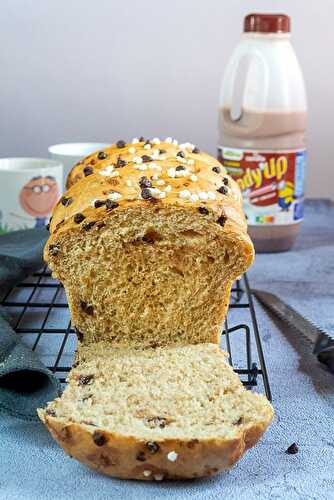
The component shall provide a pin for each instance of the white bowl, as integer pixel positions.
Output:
(71, 152)
(29, 189)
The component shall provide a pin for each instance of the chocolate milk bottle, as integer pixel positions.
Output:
(262, 122)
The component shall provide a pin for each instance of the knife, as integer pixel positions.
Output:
(322, 343)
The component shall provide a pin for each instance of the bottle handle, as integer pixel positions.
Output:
(246, 69)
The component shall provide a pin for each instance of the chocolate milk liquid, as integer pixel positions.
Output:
(262, 122)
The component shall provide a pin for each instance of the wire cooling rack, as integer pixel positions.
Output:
(40, 314)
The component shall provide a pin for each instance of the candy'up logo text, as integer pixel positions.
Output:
(274, 168)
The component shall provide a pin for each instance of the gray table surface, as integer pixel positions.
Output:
(32, 466)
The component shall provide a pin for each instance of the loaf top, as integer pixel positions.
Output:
(139, 151)
(148, 174)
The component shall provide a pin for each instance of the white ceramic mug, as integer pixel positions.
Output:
(71, 152)
(29, 189)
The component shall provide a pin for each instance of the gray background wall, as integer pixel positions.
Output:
(85, 70)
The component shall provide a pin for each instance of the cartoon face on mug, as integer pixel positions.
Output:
(38, 197)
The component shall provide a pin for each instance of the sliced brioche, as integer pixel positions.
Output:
(147, 251)
(173, 412)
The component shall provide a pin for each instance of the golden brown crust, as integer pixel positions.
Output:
(95, 162)
(129, 458)
(201, 185)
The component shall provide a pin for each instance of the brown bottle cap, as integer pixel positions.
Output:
(267, 23)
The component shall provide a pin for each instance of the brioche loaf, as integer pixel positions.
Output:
(147, 242)
(166, 413)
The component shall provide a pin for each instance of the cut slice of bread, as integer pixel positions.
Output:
(151, 414)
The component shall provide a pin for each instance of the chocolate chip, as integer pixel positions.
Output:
(64, 434)
(192, 443)
(152, 447)
(144, 182)
(120, 163)
(105, 461)
(47, 227)
(146, 194)
(146, 158)
(102, 155)
(203, 210)
(225, 181)
(222, 190)
(54, 250)
(79, 335)
(78, 218)
(86, 398)
(181, 154)
(153, 200)
(99, 438)
(221, 220)
(239, 421)
(147, 142)
(141, 139)
(51, 412)
(179, 168)
(162, 151)
(156, 422)
(216, 169)
(293, 449)
(121, 144)
(88, 171)
(99, 203)
(110, 204)
(85, 379)
(196, 150)
(66, 201)
(141, 456)
(89, 225)
(88, 309)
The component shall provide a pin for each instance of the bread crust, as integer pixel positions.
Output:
(128, 458)
(76, 209)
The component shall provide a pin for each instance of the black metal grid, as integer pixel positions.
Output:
(250, 365)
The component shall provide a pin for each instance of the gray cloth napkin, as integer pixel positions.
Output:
(25, 383)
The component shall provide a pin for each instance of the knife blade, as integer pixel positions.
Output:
(322, 342)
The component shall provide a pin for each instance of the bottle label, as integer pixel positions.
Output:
(271, 183)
